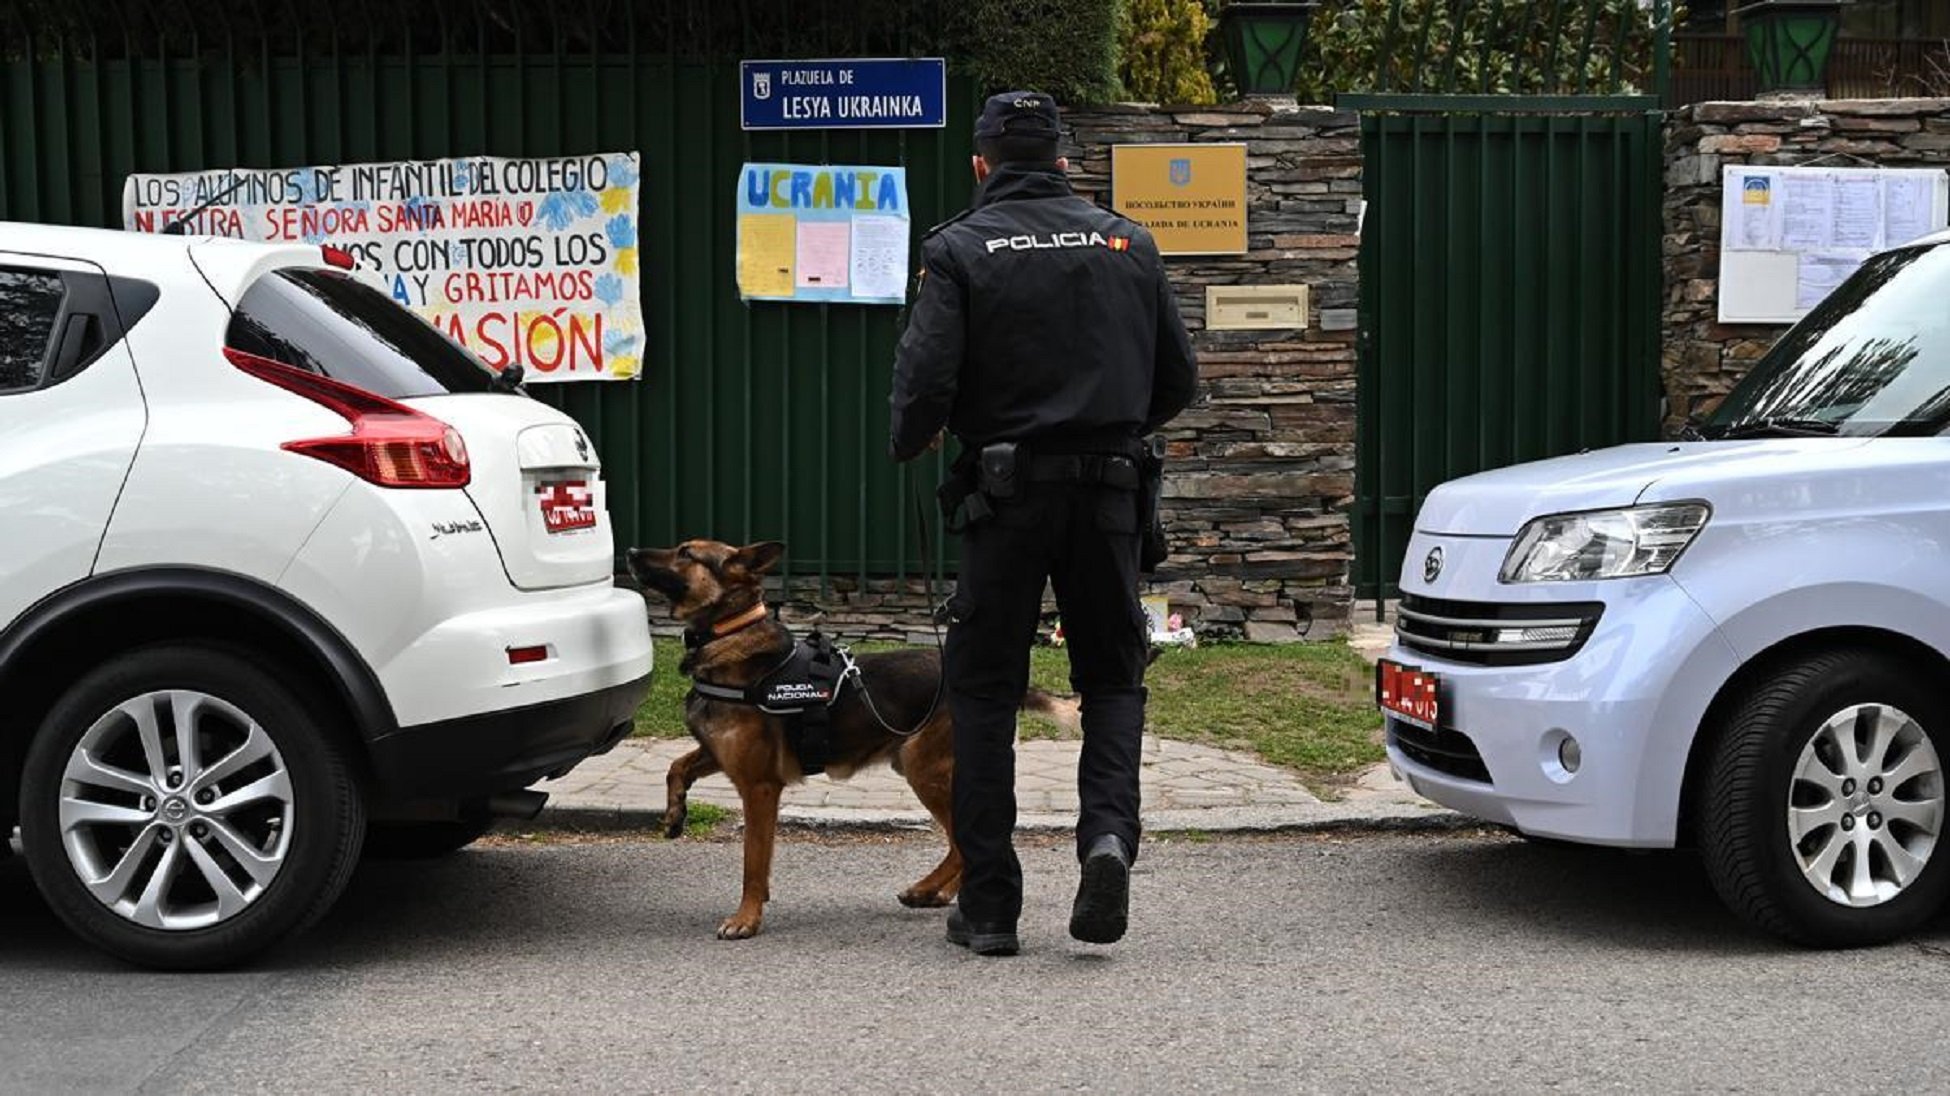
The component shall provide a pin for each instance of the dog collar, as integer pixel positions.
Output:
(743, 620)
(693, 638)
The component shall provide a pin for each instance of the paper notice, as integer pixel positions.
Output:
(1907, 208)
(1820, 272)
(766, 242)
(1751, 211)
(1858, 212)
(879, 258)
(1807, 212)
(823, 254)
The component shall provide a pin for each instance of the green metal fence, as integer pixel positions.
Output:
(1509, 303)
(759, 422)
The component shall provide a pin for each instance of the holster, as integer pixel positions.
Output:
(960, 496)
(1152, 549)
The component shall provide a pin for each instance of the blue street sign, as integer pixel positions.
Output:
(857, 93)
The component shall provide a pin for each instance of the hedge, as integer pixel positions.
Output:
(1067, 48)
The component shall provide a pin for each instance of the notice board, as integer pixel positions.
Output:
(1790, 235)
(1191, 197)
(829, 233)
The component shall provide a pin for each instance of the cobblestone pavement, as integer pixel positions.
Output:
(1185, 786)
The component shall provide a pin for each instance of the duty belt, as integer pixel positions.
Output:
(1106, 469)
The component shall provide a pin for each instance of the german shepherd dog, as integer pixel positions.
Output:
(717, 591)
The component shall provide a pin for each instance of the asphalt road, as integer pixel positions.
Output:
(1451, 964)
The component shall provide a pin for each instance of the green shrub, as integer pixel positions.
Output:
(1163, 48)
(1067, 48)
(1349, 46)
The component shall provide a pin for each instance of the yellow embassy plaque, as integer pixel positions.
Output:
(1191, 197)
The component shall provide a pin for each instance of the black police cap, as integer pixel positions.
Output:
(1028, 114)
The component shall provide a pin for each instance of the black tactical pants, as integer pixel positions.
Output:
(1084, 540)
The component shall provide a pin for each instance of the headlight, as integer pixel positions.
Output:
(1642, 540)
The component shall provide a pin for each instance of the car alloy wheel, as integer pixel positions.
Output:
(1821, 802)
(176, 810)
(184, 806)
(1865, 805)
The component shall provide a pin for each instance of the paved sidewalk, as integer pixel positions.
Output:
(1185, 787)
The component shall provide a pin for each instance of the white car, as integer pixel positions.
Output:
(279, 563)
(1740, 642)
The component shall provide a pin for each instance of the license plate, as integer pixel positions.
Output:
(1408, 694)
(567, 505)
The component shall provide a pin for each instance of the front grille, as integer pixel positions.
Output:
(1445, 751)
(1490, 634)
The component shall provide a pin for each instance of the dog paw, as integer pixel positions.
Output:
(924, 899)
(674, 823)
(738, 927)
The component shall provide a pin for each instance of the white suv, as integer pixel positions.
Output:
(1740, 641)
(282, 570)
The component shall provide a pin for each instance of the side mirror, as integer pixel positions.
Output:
(510, 378)
(1690, 429)
(1698, 400)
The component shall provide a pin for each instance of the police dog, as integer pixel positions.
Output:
(717, 591)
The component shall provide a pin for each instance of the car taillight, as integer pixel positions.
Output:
(337, 256)
(391, 444)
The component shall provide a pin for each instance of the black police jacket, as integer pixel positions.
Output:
(1039, 316)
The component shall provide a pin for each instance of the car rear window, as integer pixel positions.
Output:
(30, 301)
(329, 323)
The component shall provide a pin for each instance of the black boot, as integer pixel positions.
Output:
(1103, 906)
(979, 937)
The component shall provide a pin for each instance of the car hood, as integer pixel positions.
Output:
(1498, 503)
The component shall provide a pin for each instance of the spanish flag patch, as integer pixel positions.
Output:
(1119, 243)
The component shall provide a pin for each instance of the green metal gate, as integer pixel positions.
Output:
(754, 422)
(1510, 287)
(1510, 252)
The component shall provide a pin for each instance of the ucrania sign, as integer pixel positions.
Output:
(530, 262)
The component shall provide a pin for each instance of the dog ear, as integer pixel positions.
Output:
(759, 558)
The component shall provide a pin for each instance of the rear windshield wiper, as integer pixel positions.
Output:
(1781, 428)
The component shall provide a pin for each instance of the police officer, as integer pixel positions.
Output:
(1045, 336)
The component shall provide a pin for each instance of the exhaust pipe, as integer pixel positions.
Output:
(521, 806)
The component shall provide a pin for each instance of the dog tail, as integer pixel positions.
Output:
(1063, 710)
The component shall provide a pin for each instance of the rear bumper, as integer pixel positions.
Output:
(595, 638)
(504, 751)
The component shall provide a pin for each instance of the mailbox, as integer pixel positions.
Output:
(1248, 307)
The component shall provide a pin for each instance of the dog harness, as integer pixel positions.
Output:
(803, 689)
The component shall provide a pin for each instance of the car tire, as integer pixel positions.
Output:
(1822, 815)
(423, 840)
(264, 822)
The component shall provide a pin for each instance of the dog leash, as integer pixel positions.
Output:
(929, 572)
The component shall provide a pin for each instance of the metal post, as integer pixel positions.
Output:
(1662, 50)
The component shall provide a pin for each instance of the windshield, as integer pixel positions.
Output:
(1872, 359)
(331, 324)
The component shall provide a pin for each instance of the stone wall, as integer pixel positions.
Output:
(1261, 471)
(1703, 357)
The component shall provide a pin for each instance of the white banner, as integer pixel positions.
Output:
(530, 262)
